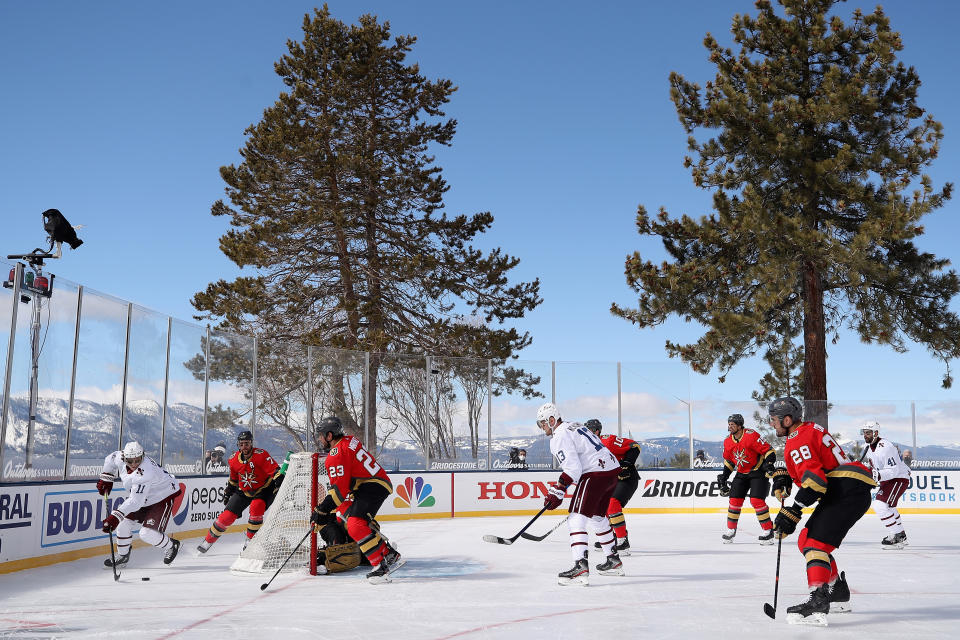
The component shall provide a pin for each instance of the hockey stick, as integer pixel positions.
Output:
(113, 558)
(499, 540)
(530, 536)
(767, 609)
(266, 584)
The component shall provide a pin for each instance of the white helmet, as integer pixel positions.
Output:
(546, 411)
(133, 452)
(873, 427)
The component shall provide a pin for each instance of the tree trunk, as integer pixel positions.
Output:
(815, 347)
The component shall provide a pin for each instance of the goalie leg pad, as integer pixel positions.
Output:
(342, 557)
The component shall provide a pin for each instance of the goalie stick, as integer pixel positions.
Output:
(499, 540)
(266, 584)
(530, 536)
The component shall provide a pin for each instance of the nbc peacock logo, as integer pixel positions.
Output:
(414, 493)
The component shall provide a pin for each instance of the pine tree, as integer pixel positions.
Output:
(816, 167)
(336, 210)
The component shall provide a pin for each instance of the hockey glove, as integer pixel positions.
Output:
(787, 519)
(277, 481)
(625, 468)
(105, 484)
(724, 485)
(228, 491)
(554, 498)
(320, 519)
(112, 521)
(782, 484)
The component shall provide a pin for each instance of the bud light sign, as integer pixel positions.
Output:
(74, 516)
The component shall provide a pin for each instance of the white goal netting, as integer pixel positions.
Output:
(286, 523)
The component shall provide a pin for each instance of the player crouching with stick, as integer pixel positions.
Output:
(352, 470)
(590, 465)
(151, 491)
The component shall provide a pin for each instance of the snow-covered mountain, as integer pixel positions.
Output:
(96, 432)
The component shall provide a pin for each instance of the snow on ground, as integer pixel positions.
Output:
(681, 582)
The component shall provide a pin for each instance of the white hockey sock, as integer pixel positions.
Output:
(578, 535)
(604, 532)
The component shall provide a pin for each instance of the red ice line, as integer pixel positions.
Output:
(220, 613)
(503, 624)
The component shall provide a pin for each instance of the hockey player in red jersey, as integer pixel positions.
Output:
(353, 471)
(817, 464)
(751, 460)
(254, 480)
(626, 452)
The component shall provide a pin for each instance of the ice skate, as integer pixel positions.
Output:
(612, 567)
(766, 538)
(121, 560)
(895, 541)
(813, 611)
(203, 547)
(579, 574)
(839, 595)
(392, 561)
(172, 551)
(728, 536)
(623, 546)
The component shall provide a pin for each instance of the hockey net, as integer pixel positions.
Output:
(287, 522)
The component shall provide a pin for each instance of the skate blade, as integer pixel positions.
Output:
(611, 572)
(623, 552)
(767, 542)
(380, 579)
(728, 541)
(899, 545)
(581, 581)
(396, 565)
(840, 607)
(812, 620)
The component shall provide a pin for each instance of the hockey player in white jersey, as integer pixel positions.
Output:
(589, 465)
(894, 477)
(150, 494)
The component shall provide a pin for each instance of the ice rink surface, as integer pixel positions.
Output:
(681, 582)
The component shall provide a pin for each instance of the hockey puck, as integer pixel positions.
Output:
(144, 578)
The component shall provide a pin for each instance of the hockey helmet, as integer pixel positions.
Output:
(132, 453)
(872, 428)
(736, 419)
(594, 425)
(786, 406)
(245, 436)
(546, 411)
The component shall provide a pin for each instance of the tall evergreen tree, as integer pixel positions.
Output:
(816, 167)
(337, 209)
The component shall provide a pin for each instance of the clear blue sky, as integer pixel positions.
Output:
(120, 114)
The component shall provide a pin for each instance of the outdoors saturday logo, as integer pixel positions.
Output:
(414, 493)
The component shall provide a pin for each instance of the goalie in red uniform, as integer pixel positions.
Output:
(353, 471)
(626, 451)
(751, 460)
(254, 480)
(817, 464)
